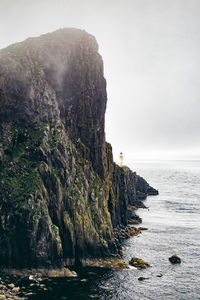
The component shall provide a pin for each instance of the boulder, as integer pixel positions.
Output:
(174, 259)
(138, 263)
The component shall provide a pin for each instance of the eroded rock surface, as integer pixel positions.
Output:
(61, 194)
(138, 263)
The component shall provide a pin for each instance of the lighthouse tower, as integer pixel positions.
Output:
(121, 159)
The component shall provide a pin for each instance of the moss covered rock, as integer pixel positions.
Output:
(138, 263)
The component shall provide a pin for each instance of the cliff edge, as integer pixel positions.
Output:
(61, 194)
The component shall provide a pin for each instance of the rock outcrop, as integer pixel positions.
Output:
(138, 263)
(175, 259)
(61, 194)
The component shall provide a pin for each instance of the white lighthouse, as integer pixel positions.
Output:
(121, 157)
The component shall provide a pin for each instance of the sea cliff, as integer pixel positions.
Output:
(61, 194)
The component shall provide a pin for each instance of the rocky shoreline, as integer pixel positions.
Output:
(9, 291)
(11, 280)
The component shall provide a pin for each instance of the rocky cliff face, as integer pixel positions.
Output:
(60, 192)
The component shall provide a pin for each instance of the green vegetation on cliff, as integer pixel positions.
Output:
(61, 194)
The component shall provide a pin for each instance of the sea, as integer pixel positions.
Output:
(173, 222)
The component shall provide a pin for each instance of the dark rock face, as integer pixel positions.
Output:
(127, 188)
(58, 75)
(175, 259)
(60, 192)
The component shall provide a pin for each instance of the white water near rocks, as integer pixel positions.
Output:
(173, 222)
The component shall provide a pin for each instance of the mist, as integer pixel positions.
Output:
(150, 50)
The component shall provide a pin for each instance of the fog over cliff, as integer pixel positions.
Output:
(151, 59)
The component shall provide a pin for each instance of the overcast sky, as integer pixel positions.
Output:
(151, 53)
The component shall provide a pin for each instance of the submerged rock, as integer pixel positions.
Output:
(174, 259)
(138, 263)
(142, 278)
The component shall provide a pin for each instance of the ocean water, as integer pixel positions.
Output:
(173, 222)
